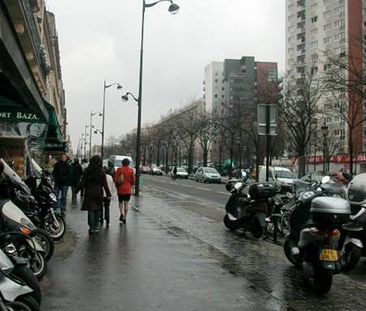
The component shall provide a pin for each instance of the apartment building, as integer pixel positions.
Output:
(315, 31)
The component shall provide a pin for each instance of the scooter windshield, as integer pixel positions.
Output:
(36, 170)
(14, 178)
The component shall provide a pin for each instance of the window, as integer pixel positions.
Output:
(314, 19)
(215, 95)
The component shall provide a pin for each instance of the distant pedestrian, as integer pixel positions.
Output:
(62, 176)
(104, 212)
(124, 179)
(77, 171)
(94, 181)
(175, 170)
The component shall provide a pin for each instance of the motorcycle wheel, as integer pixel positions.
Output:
(46, 241)
(17, 306)
(229, 223)
(322, 281)
(56, 229)
(37, 263)
(350, 257)
(257, 233)
(287, 246)
(30, 302)
(26, 275)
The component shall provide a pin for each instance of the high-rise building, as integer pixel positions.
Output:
(315, 31)
(214, 85)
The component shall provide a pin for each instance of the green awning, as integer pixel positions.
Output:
(54, 134)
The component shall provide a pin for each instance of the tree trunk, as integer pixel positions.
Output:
(205, 156)
(350, 146)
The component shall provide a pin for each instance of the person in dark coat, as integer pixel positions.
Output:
(62, 176)
(77, 171)
(94, 181)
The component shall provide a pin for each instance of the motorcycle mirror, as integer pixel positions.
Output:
(325, 179)
(238, 185)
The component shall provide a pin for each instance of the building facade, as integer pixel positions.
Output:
(32, 102)
(317, 30)
(233, 89)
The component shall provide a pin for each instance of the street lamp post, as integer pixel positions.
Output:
(324, 130)
(173, 8)
(91, 131)
(85, 139)
(105, 86)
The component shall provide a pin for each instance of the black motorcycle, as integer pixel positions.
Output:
(248, 211)
(313, 241)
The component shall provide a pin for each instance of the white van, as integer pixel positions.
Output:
(281, 176)
(116, 160)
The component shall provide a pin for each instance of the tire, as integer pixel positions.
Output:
(350, 257)
(322, 281)
(17, 306)
(287, 246)
(37, 263)
(229, 223)
(46, 241)
(25, 274)
(30, 302)
(258, 232)
(55, 230)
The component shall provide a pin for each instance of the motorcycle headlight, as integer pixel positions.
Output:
(10, 249)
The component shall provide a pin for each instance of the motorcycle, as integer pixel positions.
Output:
(18, 226)
(41, 187)
(313, 241)
(248, 211)
(353, 237)
(15, 293)
(15, 189)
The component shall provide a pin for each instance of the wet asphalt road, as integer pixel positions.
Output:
(175, 254)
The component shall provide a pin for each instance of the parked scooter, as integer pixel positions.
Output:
(16, 224)
(15, 292)
(248, 211)
(15, 189)
(41, 187)
(353, 239)
(313, 242)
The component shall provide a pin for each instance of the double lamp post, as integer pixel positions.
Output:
(173, 8)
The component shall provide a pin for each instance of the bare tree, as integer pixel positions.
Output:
(346, 81)
(297, 110)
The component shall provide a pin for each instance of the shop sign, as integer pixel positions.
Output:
(19, 116)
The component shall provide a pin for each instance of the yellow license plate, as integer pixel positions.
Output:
(328, 255)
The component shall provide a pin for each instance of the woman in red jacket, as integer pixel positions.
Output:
(124, 179)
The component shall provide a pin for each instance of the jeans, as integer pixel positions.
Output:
(61, 193)
(93, 219)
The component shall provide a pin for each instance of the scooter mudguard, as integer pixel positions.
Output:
(306, 238)
(35, 245)
(10, 289)
(353, 241)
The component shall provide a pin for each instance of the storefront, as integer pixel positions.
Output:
(24, 132)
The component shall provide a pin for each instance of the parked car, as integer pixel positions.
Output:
(181, 173)
(155, 171)
(283, 177)
(207, 174)
(144, 169)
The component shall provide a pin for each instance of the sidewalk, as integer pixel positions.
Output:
(143, 265)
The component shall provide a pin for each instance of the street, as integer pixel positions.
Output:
(175, 254)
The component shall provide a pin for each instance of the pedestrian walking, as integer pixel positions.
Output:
(93, 182)
(124, 179)
(107, 201)
(62, 176)
(77, 171)
(175, 172)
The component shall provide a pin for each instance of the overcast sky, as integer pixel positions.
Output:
(101, 40)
